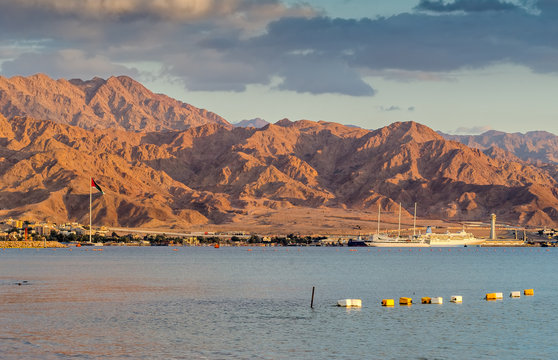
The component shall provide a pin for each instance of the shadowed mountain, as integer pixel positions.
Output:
(255, 123)
(218, 174)
(534, 146)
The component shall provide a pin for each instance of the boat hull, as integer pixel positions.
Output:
(388, 241)
(455, 243)
(396, 244)
(451, 239)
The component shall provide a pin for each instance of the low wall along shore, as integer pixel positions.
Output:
(30, 244)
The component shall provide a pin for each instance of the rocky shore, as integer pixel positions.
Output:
(30, 244)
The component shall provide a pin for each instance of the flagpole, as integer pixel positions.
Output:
(90, 182)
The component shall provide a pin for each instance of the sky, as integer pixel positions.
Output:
(458, 66)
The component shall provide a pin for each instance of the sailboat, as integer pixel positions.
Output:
(378, 240)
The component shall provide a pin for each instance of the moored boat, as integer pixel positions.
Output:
(379, 240)
(448, 239)
(387, 241)
(358, 242)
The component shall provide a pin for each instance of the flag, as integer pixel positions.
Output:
(94, 184)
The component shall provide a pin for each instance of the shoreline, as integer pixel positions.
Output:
(16, 244)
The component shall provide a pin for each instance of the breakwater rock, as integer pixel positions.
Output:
(30, 244)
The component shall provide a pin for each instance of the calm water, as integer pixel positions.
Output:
(205, 303)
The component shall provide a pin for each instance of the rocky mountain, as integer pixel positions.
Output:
(255, 123)
(217, 174)
(535, 146)
(118, 102)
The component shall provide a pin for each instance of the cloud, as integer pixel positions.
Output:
(408, 75)
(218, 45)
(317, 76)
(69, 63)
(396, 108)
(465, 5)
(475, 130)
(391, 108)
(179, 10)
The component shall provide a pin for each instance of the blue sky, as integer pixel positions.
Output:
(460, 66)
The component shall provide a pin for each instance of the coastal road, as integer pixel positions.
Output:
(169, 233)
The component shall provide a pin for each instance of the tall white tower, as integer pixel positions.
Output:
(493, 227)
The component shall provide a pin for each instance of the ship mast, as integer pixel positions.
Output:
(379, 209)
(415, 221)
(399, 225)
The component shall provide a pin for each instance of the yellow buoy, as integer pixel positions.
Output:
(528, 292)
(426, 300)
(405, 301)
(494, 296)
(388, 302)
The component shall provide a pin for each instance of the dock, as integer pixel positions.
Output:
(506, 243)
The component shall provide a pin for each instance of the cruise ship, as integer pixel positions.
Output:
(461, 238)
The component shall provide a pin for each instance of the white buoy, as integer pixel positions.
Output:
(456, 299)
(437, 300)
(515, 294)
(350, 303)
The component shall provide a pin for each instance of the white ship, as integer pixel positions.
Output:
(380, 240)
(461, 238)
(387, 241)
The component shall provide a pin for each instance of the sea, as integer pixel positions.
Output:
(254, 303)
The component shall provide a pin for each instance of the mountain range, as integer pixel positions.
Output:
(539, 147)
(255, 123)
(167, 164)
(116, 103)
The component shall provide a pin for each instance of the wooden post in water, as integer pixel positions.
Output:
(312, 301)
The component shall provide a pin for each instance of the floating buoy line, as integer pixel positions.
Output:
(407, 301)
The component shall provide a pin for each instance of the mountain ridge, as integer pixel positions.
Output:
(533, 146)
(170, 178)
(164, 163)
(117, 102)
